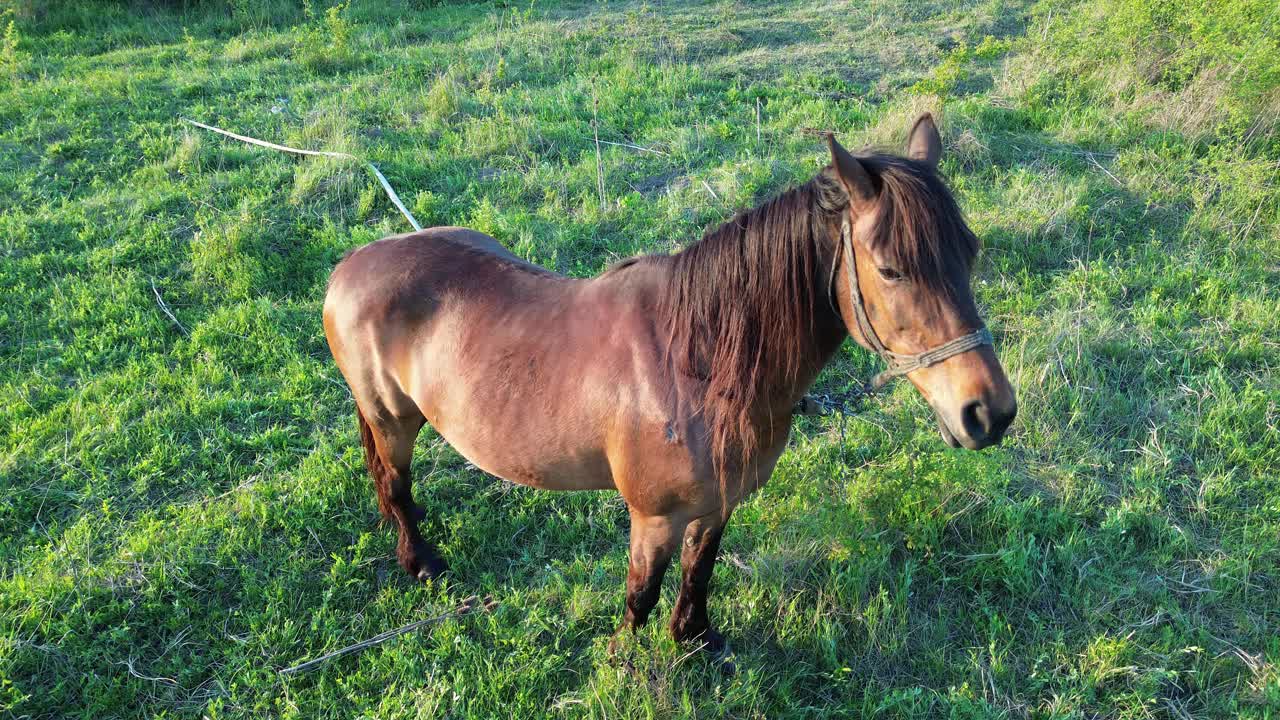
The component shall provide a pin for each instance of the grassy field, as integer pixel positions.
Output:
(183, 507)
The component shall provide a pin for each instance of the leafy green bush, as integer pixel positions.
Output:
(955, 70)
(1204, 66)
(325, 43)
(9, 57)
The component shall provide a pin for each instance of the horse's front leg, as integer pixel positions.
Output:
(653, 542)
(689, 621)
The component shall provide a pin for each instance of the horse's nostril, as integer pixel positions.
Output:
(976, 418)
(1002, 421)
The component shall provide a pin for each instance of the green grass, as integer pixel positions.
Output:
(183, 510)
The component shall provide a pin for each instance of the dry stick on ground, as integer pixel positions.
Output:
(708, 187)
(626, 145)
(462, 609)
(165, 308)
(129, 665)
(757, 122)
(1094, 160)
(595, 130)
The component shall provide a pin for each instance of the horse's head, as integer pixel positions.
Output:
(909, 297)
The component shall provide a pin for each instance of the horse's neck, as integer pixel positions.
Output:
(829, 329)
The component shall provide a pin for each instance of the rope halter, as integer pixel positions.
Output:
(899, 363)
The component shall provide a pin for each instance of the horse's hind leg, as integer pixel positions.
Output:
(388, 447)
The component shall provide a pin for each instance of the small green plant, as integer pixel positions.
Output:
(339, 28)
(325, 45)
(947, 75)
(990, 48)
(956, 68)
(444, 97)
(189, 42)
(9, 56)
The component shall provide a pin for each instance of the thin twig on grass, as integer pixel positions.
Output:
(757, 122)
(595, 131)
(129, 665)
(708, 187)
(737, 562)
(1094, 160)
(165, 308)
(627, 145)
(694, 651)
(463, 608)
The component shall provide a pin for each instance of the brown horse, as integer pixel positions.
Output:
(670, 379)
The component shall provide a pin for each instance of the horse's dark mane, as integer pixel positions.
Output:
(741, 303)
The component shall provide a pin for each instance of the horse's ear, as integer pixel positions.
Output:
(924, 143)
(855, 178)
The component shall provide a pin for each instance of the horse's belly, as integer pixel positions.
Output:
(535, 460)
(542, 436)
(527, 393)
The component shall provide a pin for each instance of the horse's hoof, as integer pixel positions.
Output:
(618, 643)
(431, 570)
(618, 656)
(718, 651)
(421, 561)
(426, 569)
(728, 667)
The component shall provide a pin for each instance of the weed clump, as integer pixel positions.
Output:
(325, 45)
(10, 58)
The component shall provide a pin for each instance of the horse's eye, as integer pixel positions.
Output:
(890, 274)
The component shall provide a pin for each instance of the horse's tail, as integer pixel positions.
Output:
(373, 462)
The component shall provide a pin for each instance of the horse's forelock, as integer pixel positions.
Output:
(921, 231)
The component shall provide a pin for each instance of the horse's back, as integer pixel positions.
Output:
(383, 296)
(405, 280)
(403, 268)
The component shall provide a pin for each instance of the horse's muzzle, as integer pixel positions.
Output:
(981, 425)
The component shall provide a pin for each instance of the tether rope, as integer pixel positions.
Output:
(391, 193)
